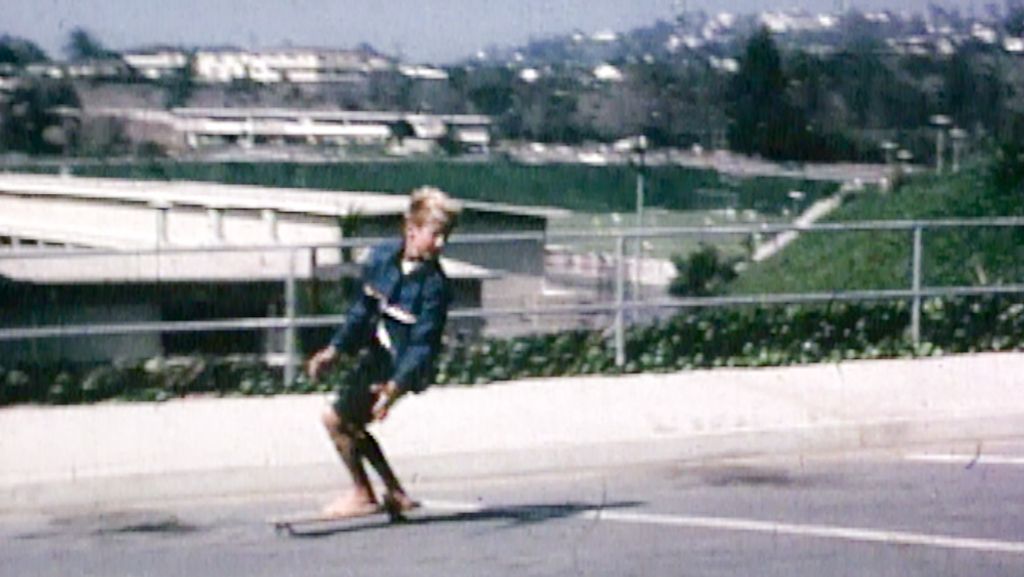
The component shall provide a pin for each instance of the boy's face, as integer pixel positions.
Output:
(423, 240)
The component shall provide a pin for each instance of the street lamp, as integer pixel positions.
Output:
(940, 121)
(637, 147)
(889, 150)
(957, 135)
(797, 196)
(904, 157)
(640, 148)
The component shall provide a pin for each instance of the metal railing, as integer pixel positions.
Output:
(621, 304)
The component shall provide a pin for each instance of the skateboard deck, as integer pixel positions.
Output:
(290, 524)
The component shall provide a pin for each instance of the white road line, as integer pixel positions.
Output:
(820, 531)
(452, 506)
(768, 527)
(966, 459)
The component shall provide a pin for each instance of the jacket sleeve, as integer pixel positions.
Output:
(414, 370)
(359, 320)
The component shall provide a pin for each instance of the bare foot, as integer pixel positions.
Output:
(397, 502)
(352, 505)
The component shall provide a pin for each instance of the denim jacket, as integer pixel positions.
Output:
(414, 309)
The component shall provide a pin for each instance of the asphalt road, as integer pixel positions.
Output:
(949, 510)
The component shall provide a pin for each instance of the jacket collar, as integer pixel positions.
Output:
(391, 273)
(395, 258)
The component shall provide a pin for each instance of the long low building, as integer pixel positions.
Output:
(181, 128)
(196, 250)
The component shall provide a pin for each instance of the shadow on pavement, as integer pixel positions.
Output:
(512, 515)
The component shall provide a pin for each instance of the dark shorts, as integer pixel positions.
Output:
(355, 401)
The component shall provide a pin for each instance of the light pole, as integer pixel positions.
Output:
(797, 196)
(640, 148)
(957, 135)
(940, 121)
(904, 156)
(889, 147)
(634, 150)
(889, 150)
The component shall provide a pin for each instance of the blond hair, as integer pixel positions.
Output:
(431, 205)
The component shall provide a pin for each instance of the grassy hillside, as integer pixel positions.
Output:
(882, 260)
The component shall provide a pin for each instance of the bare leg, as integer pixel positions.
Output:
(396, 497)
(360, 500)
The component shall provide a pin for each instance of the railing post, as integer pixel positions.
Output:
(216, 216)
(620, 283)
(915, 310)
(162, 208)
(269, 217)
(638, 254)
(289, 333)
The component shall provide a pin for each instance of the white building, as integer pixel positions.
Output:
(604, 36)
(170, 249)
(157, 64)
(783, 22)
(984, 33)
(182, 128)
(285, 65)
(255, 125)
(423, 72)
(608, 73)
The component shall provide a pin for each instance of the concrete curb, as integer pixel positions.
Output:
(316, 479)
(219, 447)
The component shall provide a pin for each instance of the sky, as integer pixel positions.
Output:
(437, 31)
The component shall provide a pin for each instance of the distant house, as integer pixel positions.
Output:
(984, 33)
(101, 69)
(608, 73)
(9, 78)
(423, 72)
(786, 22)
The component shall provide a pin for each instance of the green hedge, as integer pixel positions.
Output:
(571, 186)
(704, 338)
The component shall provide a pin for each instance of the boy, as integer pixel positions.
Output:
(395, 327)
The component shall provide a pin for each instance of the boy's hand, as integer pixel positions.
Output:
(386, 394)
(320, 361)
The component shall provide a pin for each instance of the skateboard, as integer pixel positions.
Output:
(291, 523)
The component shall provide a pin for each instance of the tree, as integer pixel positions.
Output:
(181, 84)
(83, 46)
(977, 89)
(684, 102)
(32, 119)
(492, 99)
(19, 52)
(863, 80)
(367, 49)
(763, 120)
(702, 273)
(795, 116)
(1014, 22)
(491, 91)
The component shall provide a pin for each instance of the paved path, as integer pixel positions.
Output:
(518, 427)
